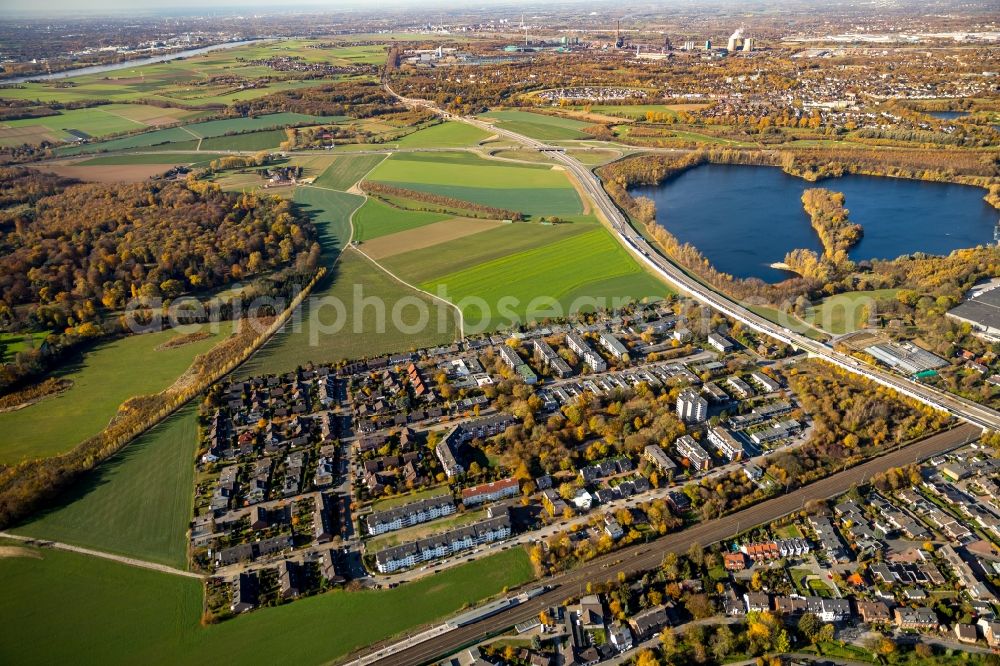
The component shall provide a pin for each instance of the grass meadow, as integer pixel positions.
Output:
(255, 133)
(845, 313)
(103, 378)
(444, 135)
(376, 219)
(84, 610)
(197, 159)
(137, 504)
(580, 267)
(539, 126)
(346, 170)
(536, 190)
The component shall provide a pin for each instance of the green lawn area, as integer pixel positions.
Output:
(69, 608)
(570, 275)
(424, 530)
(789, 532)
(538, 126)
(819, 588)
(847, 312)
(536, 190)
(346, 170)
(376, 218)
(138, 503)
(789, 321)
(103, 379)
(400, 500)
(799, 578)
(12, 343)
(444, 135)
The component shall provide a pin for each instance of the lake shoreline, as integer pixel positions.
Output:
(742, 217)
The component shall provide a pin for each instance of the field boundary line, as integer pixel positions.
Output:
(461, 317)
(192, 133)
(121, 559)
(117, 115)
(352, 245)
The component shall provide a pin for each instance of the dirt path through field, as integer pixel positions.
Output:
(130, 561)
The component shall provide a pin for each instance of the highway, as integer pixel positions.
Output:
(970, 411)
(644, 557)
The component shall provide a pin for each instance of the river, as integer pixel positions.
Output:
(744, 218)
(110, 67)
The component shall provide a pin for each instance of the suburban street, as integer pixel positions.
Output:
(643, 557)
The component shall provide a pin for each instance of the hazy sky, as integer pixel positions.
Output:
(79, 7)
(71, 8)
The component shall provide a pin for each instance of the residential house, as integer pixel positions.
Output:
(245, 589)
(490, 492)
(647, 623)
(916, 618)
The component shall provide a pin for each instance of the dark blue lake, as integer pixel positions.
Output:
(743, 218)
(948, 115)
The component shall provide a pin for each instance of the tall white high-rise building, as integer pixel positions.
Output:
(691, 407)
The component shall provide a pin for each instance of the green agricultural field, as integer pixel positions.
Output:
(572, 275)
(538, 126)
(252, 141)
(103, 379)
(376, 219)
(346, 170)
(214, 133)
(638, 111)
(103, 608)
(469, 251)
(97, 121)
(69, 608)
(138, 503)
(848, 312)
(444, 135)
(171, 135)
(198, 159)
(317, 338)
(199, 80)
(213, 128)
(341, 321)
(426, 264)
(331, 213)
(595, 157)
(536, 190)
